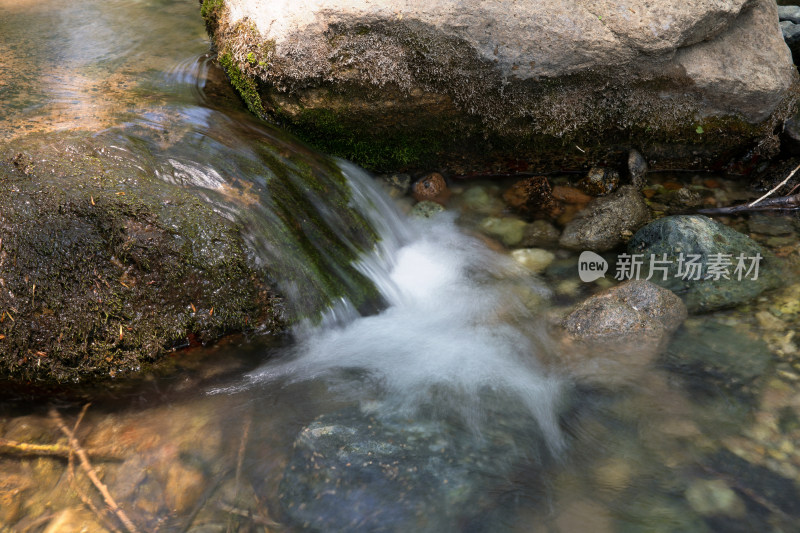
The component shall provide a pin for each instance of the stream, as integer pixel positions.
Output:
(422, 386)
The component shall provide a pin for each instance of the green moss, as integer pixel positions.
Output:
(334, 134)
(211, 10)
(244, 85)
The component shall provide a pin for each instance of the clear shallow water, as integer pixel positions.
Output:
(203, 447)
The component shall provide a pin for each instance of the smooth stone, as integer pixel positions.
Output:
(618, 332)
(509, 230)
(715, 355)
(534, 259)
(606, 222)
(714, 497)
(426, 209)
(698, 235)
(350, 471)
(540, 233)
(770, 225)
(480, 200)
(393, 84)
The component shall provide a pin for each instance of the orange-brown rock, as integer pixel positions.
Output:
(533, 197)
(433, 188)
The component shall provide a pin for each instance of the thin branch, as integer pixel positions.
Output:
(51, 450)
(778, 186)
(92, 473)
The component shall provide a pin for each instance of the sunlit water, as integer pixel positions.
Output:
(459, 341)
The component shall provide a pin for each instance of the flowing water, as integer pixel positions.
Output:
(425, 365)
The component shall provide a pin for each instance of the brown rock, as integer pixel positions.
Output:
(599, 181)
(432, 188)
(533, 197)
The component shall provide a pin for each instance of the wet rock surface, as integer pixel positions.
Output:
(599, 181)
(704, 287)
(353, 472)
(617, 332)
(453, 74)
(606, 222)
(104, 268)
(716, 354)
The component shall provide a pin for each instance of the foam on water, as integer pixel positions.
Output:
(456, 330)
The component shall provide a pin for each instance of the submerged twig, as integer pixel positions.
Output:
(773, 204)
(778, 186)
(91, 473)
(47, 450)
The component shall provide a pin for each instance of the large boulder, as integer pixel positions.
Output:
(104, 268)
(390, 84)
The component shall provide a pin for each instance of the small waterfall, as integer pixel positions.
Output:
(429, 318)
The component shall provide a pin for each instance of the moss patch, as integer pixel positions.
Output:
(244, 85)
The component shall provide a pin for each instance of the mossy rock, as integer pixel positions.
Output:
(104, 268)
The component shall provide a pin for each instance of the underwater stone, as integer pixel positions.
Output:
(699, 236)
(354, 472)
(534, 259)
(509, 230)
(616, 333)
(426, 209)
(607, 221)
(533, 197)
(398, 84)
(710, 353)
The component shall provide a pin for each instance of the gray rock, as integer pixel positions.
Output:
(623, 329)
(390, 83)
(637, 169)
(790, 13)
(630, 309)
(702, 238)
(353, 472)
(711, 354)
(606, 222)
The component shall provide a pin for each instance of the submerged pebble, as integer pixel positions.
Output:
(534, 259)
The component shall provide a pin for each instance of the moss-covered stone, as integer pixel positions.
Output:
(104, 268)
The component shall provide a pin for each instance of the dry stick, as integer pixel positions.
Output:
(778, 186)
(87, 501)
(92, 473)
(240, 460)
